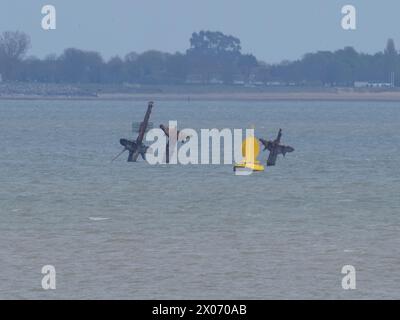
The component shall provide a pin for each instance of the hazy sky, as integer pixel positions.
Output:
(273, 30)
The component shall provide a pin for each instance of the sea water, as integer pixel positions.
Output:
(136, 231)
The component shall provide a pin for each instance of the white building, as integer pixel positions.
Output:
(365, 84)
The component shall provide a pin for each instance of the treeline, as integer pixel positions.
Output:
(342, 67)
(212, 58)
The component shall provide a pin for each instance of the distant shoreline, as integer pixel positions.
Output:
(390, 96)
(129, 92)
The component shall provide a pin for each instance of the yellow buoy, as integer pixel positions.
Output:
(250, 152)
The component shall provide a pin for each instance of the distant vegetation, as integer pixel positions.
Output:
(212, 58)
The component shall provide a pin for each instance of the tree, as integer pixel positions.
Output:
(213, 53)
(209, 42)
(390, 49)
(345, 66)
(152, 66)
(114, 70)
(81, 66)
(131, 57)
(13, 47)
(391, 59)
(246, 64)
(176, 68)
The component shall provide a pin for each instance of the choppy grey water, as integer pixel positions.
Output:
(199, 231)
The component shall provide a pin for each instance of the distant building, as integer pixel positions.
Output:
(258, 83)
(366, 84)
(132, 85)
(215, 81)
(239, 82)
(361, 84)
(275, 84)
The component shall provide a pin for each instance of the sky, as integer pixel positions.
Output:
(272, 30)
